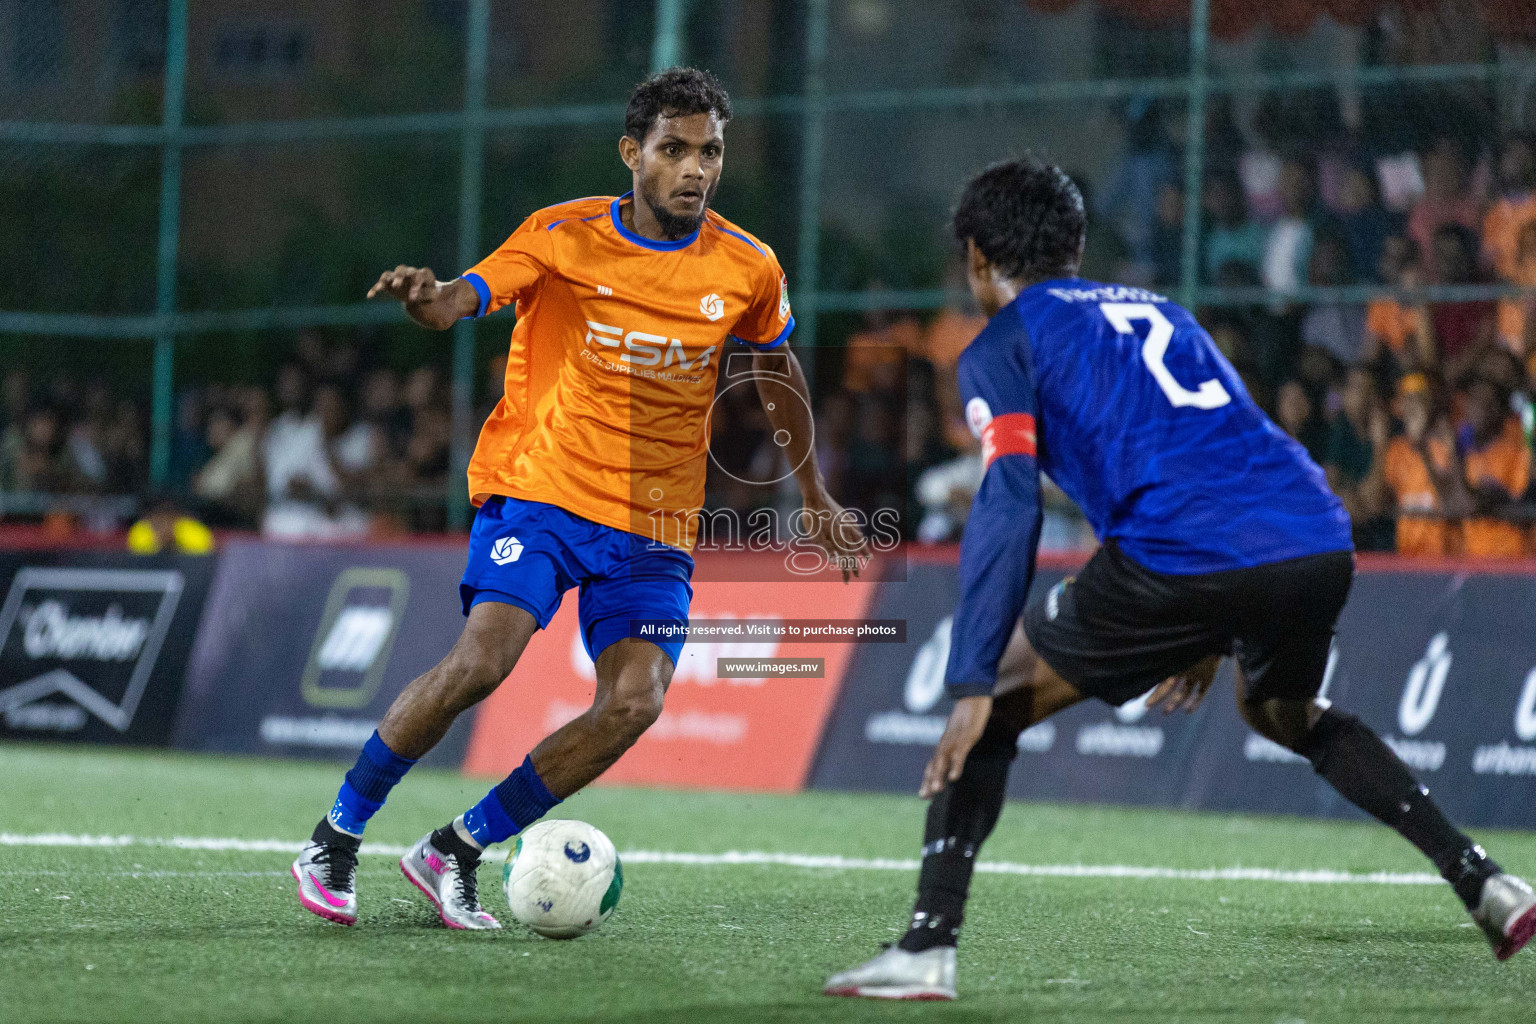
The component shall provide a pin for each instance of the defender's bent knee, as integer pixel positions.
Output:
(1286, 722)
(1332, 733)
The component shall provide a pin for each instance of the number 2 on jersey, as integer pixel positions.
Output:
(1209, 395)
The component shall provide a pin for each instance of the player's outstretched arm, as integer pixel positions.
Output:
(787, 401)
(434, 304)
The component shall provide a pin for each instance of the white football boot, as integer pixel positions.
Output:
(1506, 912)
(897, 974)
(452, 886)
(326, 873)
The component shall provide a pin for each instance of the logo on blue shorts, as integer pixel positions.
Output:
(507, 549)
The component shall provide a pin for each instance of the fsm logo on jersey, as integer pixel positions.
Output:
(644, 349)
(81, 644)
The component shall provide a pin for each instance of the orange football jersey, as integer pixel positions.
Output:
(612, 367)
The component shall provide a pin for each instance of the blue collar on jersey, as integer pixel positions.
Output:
(641, 240)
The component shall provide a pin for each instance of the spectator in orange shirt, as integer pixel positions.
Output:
(1388, 324)
(1421, 471)
(875, 359)
(1517, 326)
(1498, 471)
(1514, 209)
(948, 335)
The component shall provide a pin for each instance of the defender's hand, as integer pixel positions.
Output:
(966, 724)
(837, 534)
(1187, 689)
(408, 284)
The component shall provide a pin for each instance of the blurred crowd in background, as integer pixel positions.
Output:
(1418, 407)
(1417, 404)
(337, 447)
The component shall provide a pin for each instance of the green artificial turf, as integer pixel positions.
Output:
(143, 933)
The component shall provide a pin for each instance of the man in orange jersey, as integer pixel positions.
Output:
(589, 474)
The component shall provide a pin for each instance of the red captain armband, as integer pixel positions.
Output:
(1012, 433)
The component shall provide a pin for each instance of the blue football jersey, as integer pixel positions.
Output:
(1123, 400)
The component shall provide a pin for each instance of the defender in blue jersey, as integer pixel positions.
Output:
(1219, 537)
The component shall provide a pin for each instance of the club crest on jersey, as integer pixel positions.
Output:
(507, 549)
(977, 415)
(641, 348)
(712, 306)
(783, 296)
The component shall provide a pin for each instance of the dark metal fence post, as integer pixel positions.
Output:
(1194, 152)
(471, 181)
(162, 415)
(811, 139)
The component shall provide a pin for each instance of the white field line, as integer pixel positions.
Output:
(145, 874)
(792, 860)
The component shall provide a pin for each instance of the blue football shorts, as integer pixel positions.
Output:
(529, 554)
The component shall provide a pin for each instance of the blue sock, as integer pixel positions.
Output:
(518, 801)
(362, 793)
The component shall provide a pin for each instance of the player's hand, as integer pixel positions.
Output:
(966, 724)
(1185, 690)
(408, 284)
(836, 531)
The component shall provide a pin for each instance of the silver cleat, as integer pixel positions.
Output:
(326, 873)
(1506, 912)
(452, 887)
(897, 974)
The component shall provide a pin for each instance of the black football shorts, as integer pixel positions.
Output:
(1116, 629)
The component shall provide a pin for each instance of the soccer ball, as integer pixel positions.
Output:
(562, 878)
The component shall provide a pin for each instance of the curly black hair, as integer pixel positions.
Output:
(1026, 217)
(672, 93)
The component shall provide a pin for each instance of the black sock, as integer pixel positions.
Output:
(329, 834)
(1366, 772)
(959, 819)
(447, 840)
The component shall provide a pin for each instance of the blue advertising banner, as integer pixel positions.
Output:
(304, 647)
(93, 644)
(1442, 664)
